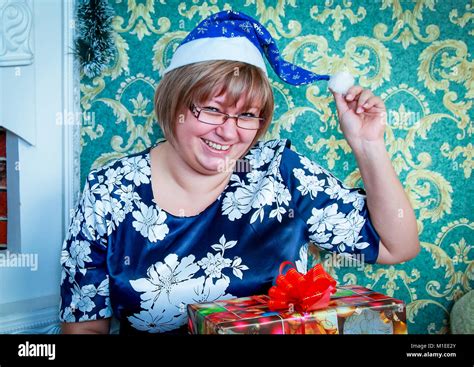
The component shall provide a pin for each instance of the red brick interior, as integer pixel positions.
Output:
(3, 189)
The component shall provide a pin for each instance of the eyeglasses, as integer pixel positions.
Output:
(208, 116)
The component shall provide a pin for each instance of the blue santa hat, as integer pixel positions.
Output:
(231, 35)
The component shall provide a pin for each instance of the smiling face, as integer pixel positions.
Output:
(230, 87)
(213, 148)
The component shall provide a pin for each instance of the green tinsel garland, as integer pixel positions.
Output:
(94, 44)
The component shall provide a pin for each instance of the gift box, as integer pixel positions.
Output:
(352, 309)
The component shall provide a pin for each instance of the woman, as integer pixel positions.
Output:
(185, 222)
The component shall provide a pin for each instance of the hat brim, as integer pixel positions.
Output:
(217, 48)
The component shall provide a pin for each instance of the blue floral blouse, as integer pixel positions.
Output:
(126, 257)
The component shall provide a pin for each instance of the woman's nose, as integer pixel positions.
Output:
(228, 129)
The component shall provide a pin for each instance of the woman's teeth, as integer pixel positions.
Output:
(215, 145)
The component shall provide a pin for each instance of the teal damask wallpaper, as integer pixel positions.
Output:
(414, 54)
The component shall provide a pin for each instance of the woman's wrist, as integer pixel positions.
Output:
(369, 150)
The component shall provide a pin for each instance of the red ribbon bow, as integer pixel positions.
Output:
(305, 292)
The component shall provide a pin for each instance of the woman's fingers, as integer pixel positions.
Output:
(353, 92)
(341, 103)
(373, 101)
(363, 98)
(359, 99)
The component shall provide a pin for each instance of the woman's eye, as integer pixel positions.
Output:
(248, 114)
(212, 108)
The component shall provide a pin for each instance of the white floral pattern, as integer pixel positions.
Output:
(164, 279)
(262, 189)
(331, 223)
(150, 222)
(79, 254)
(337, 191)
(137, 170)
(302, 263)
(171, 285)
(152, 322)
(156, 264)
(325, 219)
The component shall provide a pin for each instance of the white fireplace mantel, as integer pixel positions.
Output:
(16, 68)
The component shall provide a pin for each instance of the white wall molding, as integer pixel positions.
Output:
(33, 316)
(15, 32)
(71, 126)
(13, 197)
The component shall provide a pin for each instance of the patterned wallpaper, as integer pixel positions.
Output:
(415, 54)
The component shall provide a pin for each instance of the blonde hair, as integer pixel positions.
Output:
(198, 82)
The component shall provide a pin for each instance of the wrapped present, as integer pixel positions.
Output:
(349, 309)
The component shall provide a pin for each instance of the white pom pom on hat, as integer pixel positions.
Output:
(341, 82)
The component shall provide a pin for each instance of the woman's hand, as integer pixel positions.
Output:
(362, 116)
